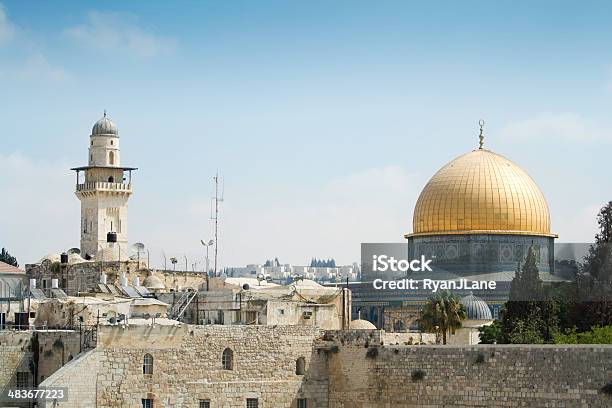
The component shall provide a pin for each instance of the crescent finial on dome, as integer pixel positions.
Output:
(481, 122)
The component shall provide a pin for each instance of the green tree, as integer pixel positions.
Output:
(8, 258)
(595, 277)
(492, 333)
(442, 314)
(597, 335)
(530, 315)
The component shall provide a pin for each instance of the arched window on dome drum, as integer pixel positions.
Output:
(111, 158)
(300, 366)
(227, 359)
(147, 364)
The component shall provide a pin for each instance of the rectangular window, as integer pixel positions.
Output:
(147, 403)
(252, 403)
(302, 403)
(23, 380)
(204, 403)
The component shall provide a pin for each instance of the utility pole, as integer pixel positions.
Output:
(216, 219)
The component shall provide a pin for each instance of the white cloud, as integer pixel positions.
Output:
(556, 126)
(112, 32)
(7, 29)
(35, 69)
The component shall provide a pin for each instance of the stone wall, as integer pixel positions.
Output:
(15, 356)
(344, 369)
(82, 375)
(55, 349)
(362, 374)
(188, 367)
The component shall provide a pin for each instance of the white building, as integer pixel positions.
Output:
(282, 272)
(104, 191)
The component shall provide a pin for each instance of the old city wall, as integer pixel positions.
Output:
(364, 373)
(344, 369)
(15, 356)
(187, 366)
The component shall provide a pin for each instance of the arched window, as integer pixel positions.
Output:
(111, 158)
(147, 364)
(111, 179)
(227, 359)
(300, 366)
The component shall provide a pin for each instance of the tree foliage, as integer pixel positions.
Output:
(442, 314)
(597, 335)
(530, 315)
(491, 334)
(8, 258)
(595, 277)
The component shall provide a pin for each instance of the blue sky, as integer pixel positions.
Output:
(325, 119)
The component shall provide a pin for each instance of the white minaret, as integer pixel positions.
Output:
(104, 192)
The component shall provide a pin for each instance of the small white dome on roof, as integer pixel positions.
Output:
(50, 258)
(476, 308)
(361, 324)
(104, 127)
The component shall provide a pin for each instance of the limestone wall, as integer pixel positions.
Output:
(55, 349)
(80, 377)
(481, 376)
(344, 369)
(15, 356)
(187, 366)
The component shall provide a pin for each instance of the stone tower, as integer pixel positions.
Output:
(104, 190)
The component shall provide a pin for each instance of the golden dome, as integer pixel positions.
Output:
(481, 192)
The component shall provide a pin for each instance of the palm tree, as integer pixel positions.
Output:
(442, 314)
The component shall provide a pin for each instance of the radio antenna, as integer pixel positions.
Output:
(217, 200)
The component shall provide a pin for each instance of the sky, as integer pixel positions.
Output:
(324, 119)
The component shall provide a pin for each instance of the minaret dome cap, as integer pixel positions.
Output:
(104, 127)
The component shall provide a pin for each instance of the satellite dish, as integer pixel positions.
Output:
(138, 247)
(74, 251)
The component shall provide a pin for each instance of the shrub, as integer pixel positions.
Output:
(597, 335)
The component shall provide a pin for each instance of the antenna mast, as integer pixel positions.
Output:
(216, 218)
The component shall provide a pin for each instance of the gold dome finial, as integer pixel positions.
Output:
(481, 136)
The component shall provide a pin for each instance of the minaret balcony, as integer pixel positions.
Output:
(105, 186)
